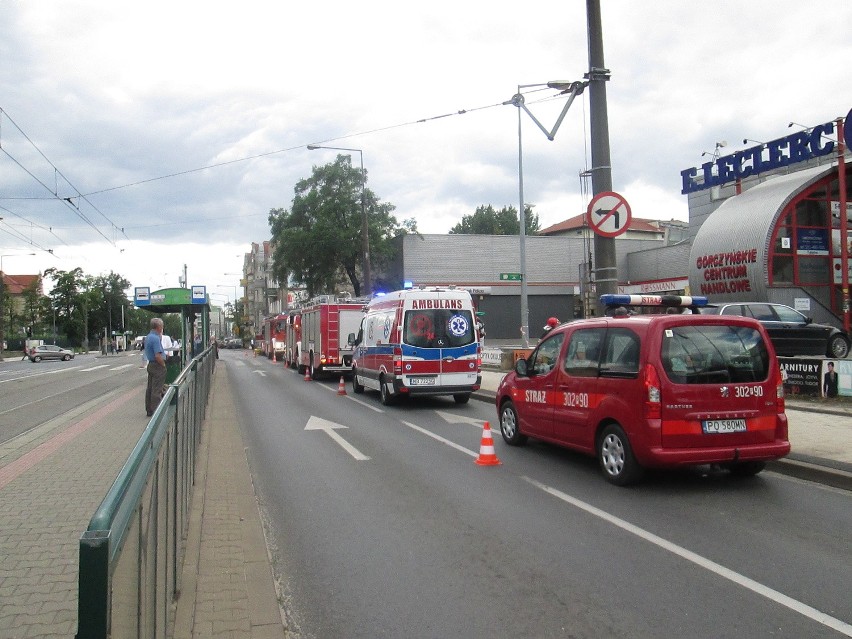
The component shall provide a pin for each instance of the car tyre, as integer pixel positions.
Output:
(510, 426)
(747, 469)
(384, 394)
(462, 398)
(357, 387)
(65, 358)
(615, 456)
(838, 347)
(37, 359)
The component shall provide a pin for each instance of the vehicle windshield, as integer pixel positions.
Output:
(696, 354)
(438, 328)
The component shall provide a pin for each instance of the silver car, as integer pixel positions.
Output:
(48, 351)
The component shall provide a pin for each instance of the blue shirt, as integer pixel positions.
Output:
(154, 345)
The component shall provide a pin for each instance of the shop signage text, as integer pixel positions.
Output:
(794, 148)
(726, 272)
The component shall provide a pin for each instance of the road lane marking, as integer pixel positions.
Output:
(261, 373)
(372, 407)
(93, 368)
(27, 376)
(442, 439)
(318, 423)
(118, 368)
(703, 562)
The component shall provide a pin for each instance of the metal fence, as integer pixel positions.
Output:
(131, 555)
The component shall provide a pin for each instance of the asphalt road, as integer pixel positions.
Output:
(381, 525)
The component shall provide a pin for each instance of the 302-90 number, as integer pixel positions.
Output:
(577, 400)
(748, 391)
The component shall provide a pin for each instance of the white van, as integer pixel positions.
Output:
(418, 342)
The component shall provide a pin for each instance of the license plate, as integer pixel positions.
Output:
(711, 426)
(421, 381)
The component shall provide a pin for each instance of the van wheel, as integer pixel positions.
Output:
(747, 469)
(509, 427)
(462, 398)
(838, 347)
(616, 458)
(357, 387)
(385, 396)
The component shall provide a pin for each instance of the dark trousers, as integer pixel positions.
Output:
(154, 391)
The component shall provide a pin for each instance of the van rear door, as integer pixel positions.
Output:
(717, 385)
(440, 347)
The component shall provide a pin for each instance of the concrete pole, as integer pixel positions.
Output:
(606, 273)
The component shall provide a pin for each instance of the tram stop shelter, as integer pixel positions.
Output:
(193, 305)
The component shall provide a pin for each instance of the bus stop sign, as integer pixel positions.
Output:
(608, 214)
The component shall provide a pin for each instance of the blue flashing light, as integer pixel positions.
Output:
(653, 300)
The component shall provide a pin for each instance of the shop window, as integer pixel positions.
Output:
(782, 269)
(811, 213)
(814, 270)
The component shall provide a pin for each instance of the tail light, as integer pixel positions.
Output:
(478, 358)
(397, 361)
(779, 390)
(653, 396)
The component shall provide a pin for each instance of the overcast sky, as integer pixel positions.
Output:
(184, 123)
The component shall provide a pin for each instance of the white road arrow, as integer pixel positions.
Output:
(453, 418)
(317, 423)
(261, 373)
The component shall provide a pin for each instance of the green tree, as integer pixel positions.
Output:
(65, 302)
(318, 241)
(487, 221)
(30, 316)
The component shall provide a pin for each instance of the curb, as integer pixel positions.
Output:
(821, 471)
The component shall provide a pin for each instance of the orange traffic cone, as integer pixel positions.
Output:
(274, 360)
(487, 457)
(341, 387)
(307, 374)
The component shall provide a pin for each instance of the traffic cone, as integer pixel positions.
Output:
(487, 457)
(341, 387)
(307, 374)
(274, 360)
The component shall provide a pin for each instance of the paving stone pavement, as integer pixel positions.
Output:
(51, 482)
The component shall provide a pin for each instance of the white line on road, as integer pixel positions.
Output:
(28, 375)
(712, 566)
(118, 368)
(442, 439)
(357, 401)
(93, 368)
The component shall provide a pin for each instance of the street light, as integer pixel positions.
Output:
(365, 238)
(2, 293)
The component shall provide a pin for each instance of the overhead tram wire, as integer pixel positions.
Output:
(65, 200)
(302, 145)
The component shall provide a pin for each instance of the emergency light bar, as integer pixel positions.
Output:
(610, 300)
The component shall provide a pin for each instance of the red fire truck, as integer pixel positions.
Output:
(326, 321)
(274, 329)
(293, 338)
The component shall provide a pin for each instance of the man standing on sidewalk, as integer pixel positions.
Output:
(156, 357)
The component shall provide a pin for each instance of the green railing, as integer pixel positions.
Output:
(131, 555)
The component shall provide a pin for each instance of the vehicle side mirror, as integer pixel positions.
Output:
(521, 368)
(808, 320)
(351, 340)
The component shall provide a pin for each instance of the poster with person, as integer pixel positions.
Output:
(836, 378)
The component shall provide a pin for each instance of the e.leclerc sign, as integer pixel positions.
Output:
(794, 148)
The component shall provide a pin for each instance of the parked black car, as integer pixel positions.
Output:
(791, 332)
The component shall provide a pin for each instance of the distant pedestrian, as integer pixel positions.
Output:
(156, 358)
(144, 359)
(830, 382)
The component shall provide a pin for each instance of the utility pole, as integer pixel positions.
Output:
(606, 272)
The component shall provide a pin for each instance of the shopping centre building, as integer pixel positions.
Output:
(765, 224)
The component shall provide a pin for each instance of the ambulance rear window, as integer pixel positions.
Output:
(701, 354)
(438, 328)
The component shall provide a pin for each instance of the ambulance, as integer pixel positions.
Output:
(415, 342)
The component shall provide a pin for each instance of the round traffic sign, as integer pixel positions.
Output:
(608, 214)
